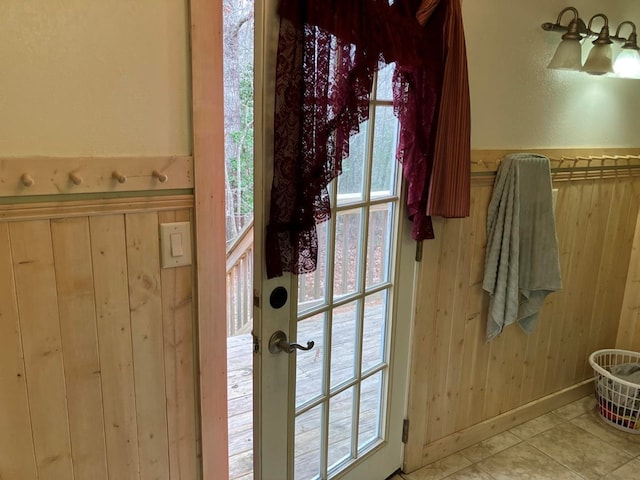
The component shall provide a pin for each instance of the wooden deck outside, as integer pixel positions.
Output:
(240, 370)
(240, 394)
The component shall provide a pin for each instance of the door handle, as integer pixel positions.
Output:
(279, 343)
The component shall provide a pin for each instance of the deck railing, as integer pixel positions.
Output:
(240, 283)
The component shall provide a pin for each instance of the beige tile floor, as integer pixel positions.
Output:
(568, 443)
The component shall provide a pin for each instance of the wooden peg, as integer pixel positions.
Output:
(119, 177)
(75, 178)
(27, 180)
(160, 176)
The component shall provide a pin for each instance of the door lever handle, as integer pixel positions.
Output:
(279, 343)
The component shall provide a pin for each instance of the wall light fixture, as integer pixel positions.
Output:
(568, 55)
(627, 62)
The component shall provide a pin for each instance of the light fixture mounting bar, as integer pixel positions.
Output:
(582, 30)
(556, 27)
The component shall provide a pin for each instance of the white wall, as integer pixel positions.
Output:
(94, 77)
(517, 103)
(110, 77)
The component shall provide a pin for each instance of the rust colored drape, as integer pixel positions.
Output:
(450, 183)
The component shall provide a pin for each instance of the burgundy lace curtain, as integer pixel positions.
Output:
(328, 53)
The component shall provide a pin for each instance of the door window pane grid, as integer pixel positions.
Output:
(345, 329)
(351, 184)
(339, 389)
(341, 420)
(342, 424)
(338, 363)
(369, 431)
(384, 164)
(348, 253)
(312, 287)
(371, 203)
(336, 423)
(384, 81)
(375, 330)
(379, 244)
(310, 312)
(350, 410)
(308, 448)
(309, 366)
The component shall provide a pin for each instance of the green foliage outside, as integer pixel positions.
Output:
(241, 165)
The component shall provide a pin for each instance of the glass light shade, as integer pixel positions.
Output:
(627, 64)
(599, 60)
(568, 56)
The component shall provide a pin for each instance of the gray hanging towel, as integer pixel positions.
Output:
(521, 263)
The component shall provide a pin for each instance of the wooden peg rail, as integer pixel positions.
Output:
(120, 178)
(75, 178)
(21, 176)
(160, 176)
(27, 180)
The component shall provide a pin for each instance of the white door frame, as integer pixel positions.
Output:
(266, 34)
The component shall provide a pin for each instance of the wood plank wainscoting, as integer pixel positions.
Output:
(462, 389)
(98, 347)
(629, 331)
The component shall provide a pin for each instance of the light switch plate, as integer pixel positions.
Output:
(175, 244)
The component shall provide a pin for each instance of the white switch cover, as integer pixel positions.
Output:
(175, 244)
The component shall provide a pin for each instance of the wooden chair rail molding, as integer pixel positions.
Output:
(92, 207)
(26, 176)
(566, 164)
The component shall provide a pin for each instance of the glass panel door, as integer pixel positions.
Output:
(337, 409)
(342, 390)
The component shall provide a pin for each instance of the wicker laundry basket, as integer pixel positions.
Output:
(618, 401)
